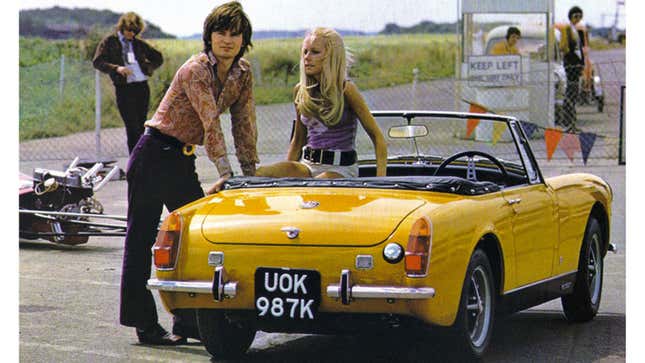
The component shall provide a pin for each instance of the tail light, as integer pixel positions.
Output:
(417, 254)
(166, 246)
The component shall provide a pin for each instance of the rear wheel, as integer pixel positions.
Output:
(582, 305)
(474, 324)
(224, 338)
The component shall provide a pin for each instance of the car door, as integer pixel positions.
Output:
(534, 225)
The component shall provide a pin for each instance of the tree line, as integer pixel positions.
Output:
(76, 23)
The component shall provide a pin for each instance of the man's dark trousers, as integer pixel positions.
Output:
(573, 90)
(158, 174)
(133, 101)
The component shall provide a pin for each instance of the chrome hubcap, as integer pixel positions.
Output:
(478, 308)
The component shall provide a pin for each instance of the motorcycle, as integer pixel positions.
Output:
(60, 206)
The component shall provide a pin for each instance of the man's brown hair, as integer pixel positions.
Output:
(229, 16)
(131, 21)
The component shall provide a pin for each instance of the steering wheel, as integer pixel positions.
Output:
(471, 173)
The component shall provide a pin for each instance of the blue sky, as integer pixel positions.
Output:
(183, 18)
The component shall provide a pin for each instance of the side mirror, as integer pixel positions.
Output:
(407, 131)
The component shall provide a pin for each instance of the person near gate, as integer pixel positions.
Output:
(571, 44)
(129, 61)
(161, 169)
(508, 45)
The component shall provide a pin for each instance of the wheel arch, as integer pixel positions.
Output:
(489, 243)
(600, 214)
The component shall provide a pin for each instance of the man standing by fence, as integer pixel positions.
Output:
(129, 61)
(573, 61)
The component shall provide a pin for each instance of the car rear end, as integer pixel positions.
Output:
(292, 256)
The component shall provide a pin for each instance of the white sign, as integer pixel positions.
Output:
(495, 70)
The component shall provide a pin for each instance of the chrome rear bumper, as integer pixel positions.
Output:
(344, 291)
(382, 292)
(197, 287)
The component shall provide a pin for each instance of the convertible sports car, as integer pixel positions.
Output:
(458, 231)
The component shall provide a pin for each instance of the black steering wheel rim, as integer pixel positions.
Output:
(470, 154)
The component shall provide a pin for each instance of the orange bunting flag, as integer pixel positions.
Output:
(498, 130)
(552, 138)
(570, 143)
(471, 125)
(473, 122)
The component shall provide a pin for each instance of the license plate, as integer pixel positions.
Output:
(287, 294)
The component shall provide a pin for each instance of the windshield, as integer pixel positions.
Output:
(446, 136)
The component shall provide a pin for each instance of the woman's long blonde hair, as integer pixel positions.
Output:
(328, 107)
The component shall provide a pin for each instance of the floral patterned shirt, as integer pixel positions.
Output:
(190, 111)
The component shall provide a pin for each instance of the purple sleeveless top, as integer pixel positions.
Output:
(340, 137)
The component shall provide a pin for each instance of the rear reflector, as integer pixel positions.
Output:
(167, 244)
(417, 254)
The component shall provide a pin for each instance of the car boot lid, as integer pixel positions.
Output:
(306, 216)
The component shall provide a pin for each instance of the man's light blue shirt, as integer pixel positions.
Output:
(137, 75)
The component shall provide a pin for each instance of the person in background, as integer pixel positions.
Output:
(161, 169)
(571, 45)
(129, 61)
(328, 108)
(508, 45)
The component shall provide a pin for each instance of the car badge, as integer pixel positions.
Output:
(292, 232)
(309, 204)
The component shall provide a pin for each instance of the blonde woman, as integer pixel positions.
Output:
(328, 108)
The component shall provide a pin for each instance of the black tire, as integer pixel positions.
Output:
(600, 103)
(222, 337)
(582, 305)
(474, 324)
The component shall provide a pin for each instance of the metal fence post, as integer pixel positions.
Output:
(621, 130)
(61, 80)
(257, 72)
(415, 79)
(97, 113)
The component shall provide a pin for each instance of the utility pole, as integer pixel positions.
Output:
(614, 27)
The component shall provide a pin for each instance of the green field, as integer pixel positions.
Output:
(49, 108)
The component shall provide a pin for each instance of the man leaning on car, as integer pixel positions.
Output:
(161, 169)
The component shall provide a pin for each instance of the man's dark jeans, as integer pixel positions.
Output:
(158, 174)
(571, 95)
(133, 102)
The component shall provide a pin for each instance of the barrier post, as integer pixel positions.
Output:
(61, 80)
(97, 113)
(415, 80)
(621, 131)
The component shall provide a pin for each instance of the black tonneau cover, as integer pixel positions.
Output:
(445, 184)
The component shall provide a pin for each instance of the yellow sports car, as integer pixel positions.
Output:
(461, 228)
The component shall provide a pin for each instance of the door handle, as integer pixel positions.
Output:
(514, 201)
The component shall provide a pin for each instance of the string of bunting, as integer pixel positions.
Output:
(570, 143)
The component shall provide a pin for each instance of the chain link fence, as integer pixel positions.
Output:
(48, 91)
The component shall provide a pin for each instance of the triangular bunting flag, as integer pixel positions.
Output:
(552, 138)
(529, 128)
(473, 122)
(570, 144)
(587, 139)
(498, 129)
(471, 125)
(477, 108)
